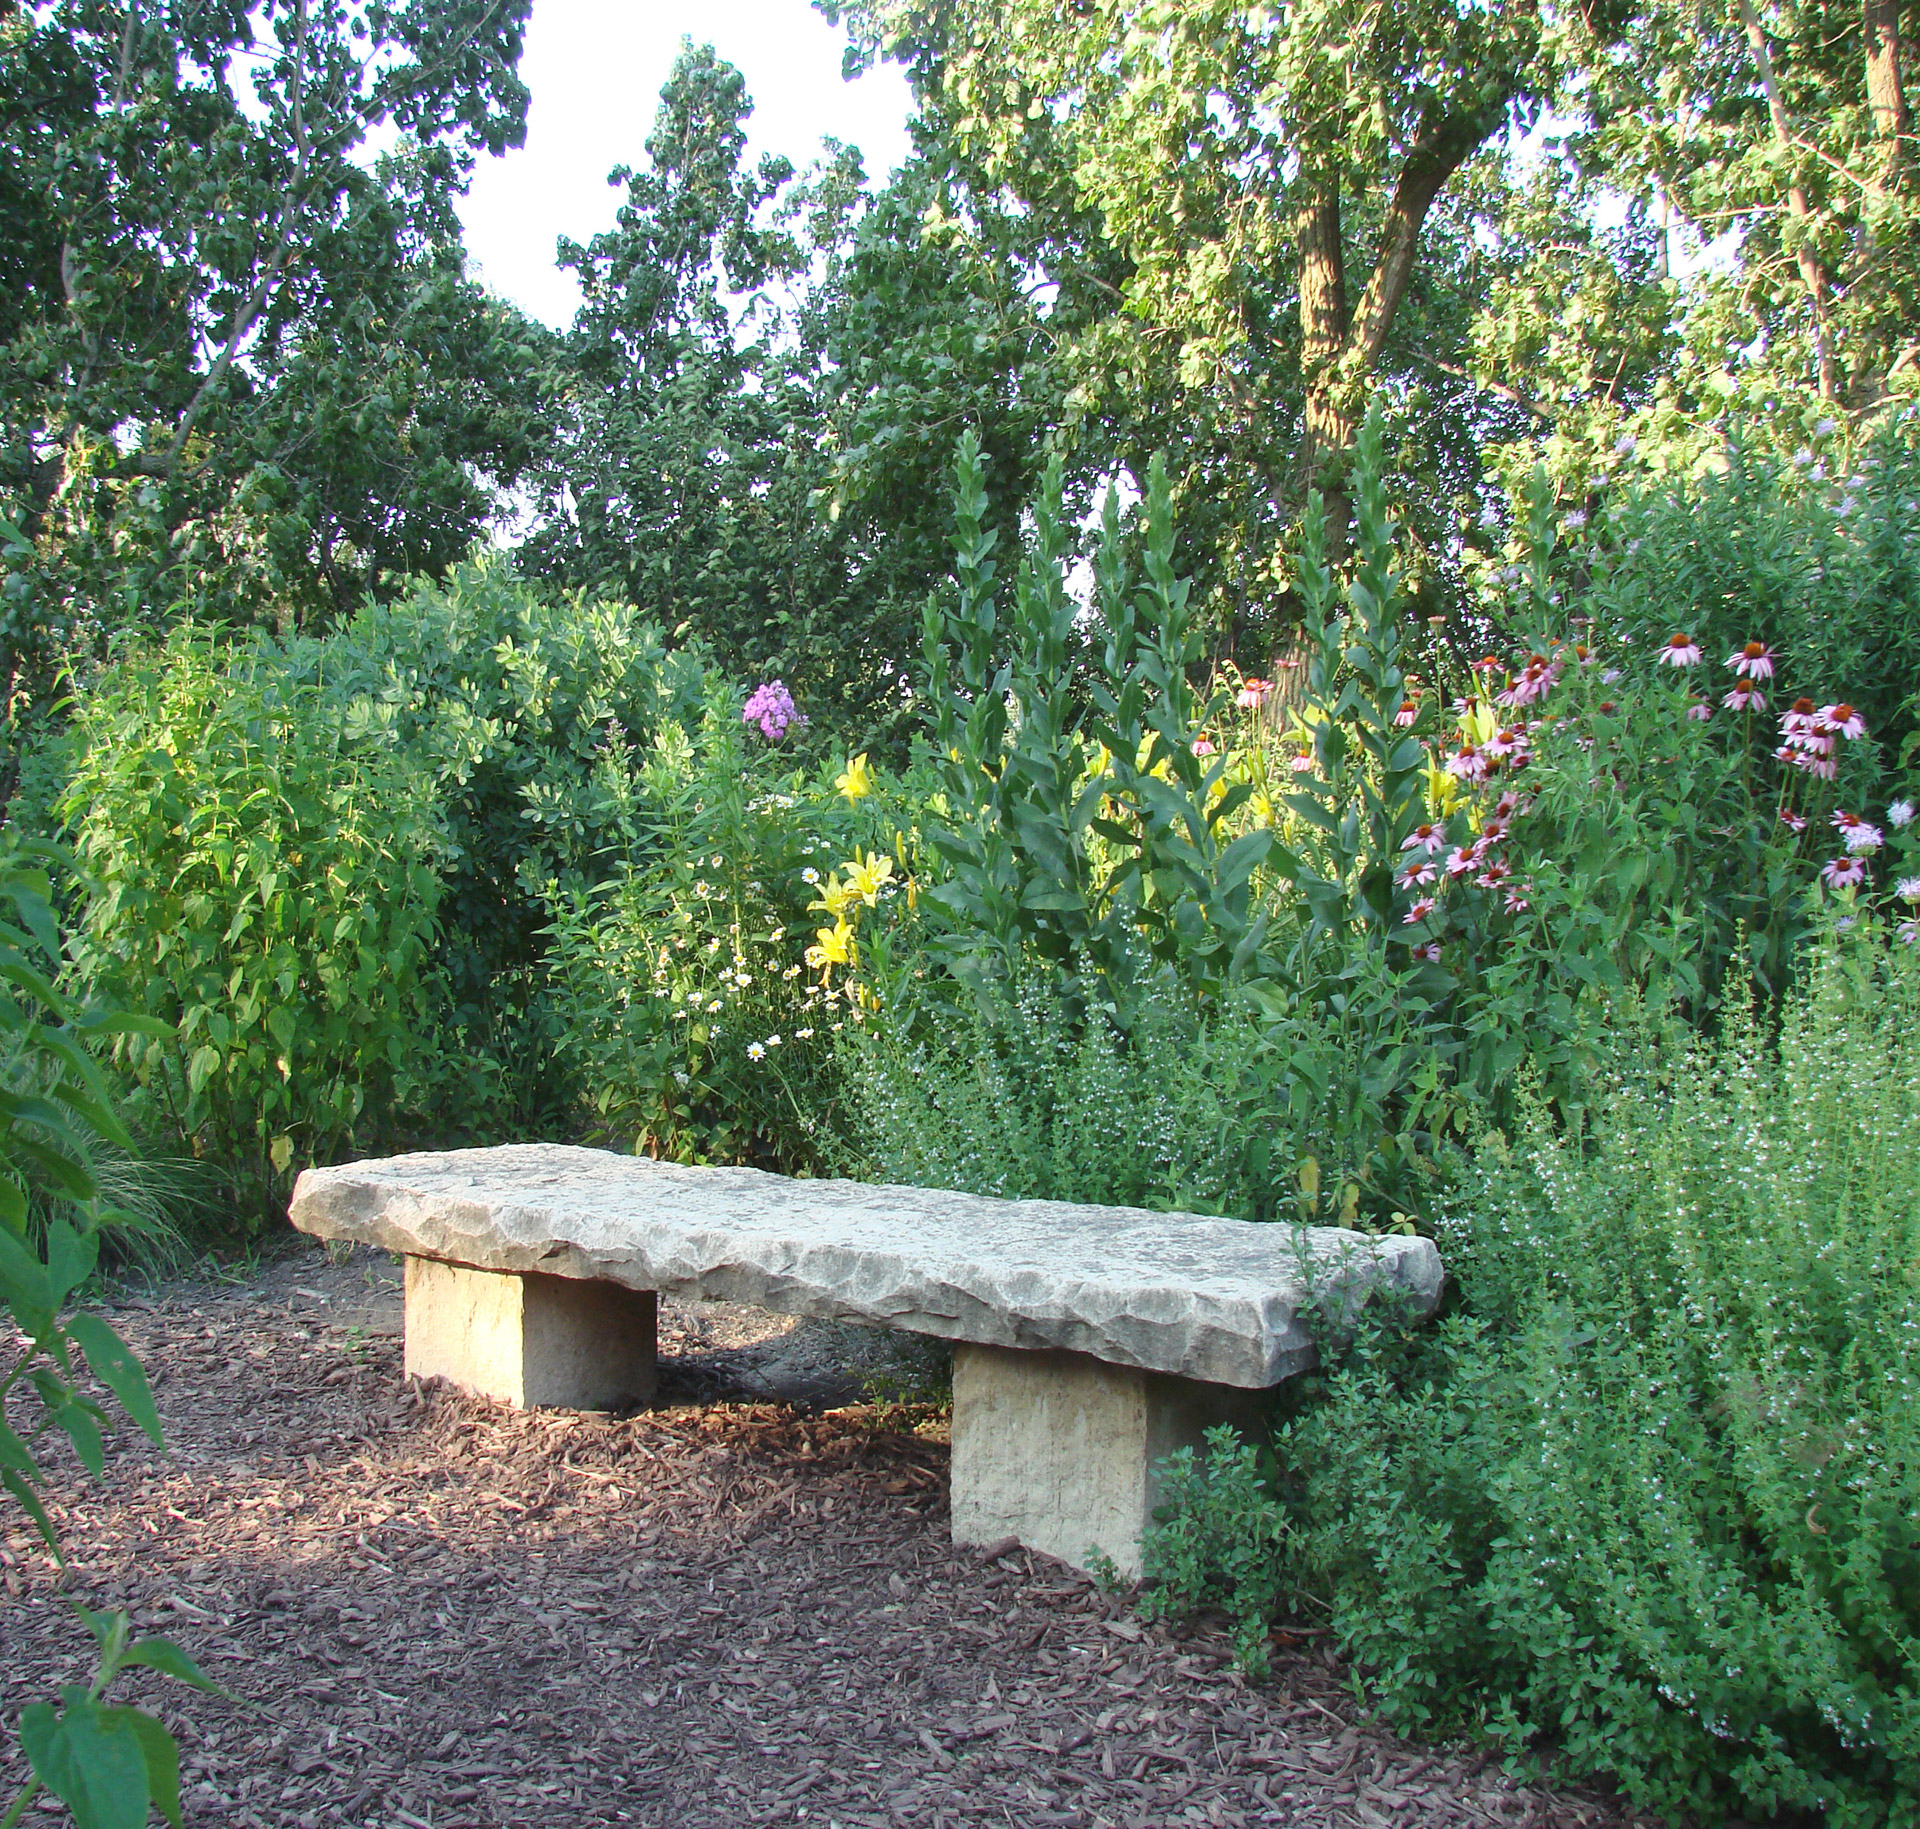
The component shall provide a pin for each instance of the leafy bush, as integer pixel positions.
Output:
(1821, 553)
(1650, 1495)
(262, 889)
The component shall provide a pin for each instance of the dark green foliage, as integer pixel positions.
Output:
(240, 367)
(1646, 1499)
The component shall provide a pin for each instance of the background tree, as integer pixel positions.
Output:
(240, 367)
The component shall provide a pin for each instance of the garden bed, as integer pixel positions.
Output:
(739, 1607)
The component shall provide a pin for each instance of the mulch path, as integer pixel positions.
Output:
(442, 1613)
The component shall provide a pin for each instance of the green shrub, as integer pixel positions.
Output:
(263, 889)
(1651, 1496)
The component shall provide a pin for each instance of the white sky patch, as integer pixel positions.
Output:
(596, 67)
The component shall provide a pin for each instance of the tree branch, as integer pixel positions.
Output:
(249, 313)
(1812, 273)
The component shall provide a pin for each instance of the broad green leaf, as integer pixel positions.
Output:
(163, 1655)
(90, 1759)
(115, 1366)
(162, 1757)
(29, 1502)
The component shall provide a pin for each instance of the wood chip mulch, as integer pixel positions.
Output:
(437, 1613)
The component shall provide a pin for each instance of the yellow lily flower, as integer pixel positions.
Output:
(855, 781)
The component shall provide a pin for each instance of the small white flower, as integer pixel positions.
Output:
(803, 1035)
(809, 875)
(755, 1052)
(1900, 814)
(713, 1009)
(773, 1041)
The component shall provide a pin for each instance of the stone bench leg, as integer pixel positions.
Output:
(530, 1339)
(1059, 1450)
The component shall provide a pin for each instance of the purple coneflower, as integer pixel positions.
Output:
(1845, 872)
(1753, 662)
(1680, 651)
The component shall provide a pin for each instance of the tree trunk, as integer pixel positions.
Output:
(1326, 325)
(1886, 95)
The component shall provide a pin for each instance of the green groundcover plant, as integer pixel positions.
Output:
(1648, 1499)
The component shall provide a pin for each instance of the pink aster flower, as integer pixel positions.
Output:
(1845, 872)
(1418, 912)
(1680, 651)
(1753, 662)
(1856, 834)
(1429, 953)
(1431, 839)
(1745, 696)
(1843, 721)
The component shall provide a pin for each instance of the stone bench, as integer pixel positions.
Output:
(1089, 1342)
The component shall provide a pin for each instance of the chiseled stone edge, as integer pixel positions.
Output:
(1251, 1338)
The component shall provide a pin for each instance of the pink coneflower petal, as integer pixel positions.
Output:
(1754, 661)
(1798, 718)
(1515, 900)
(1417, 874)
(1844, 721)
(1700, 711)
(1461, 862)
(1745, 696)
(1792, 821)
(1856, 834)
(1429, 953)
(1680, 651)
(1253, 694)
(1845, 872)
(1418, 912)
(1431, 839)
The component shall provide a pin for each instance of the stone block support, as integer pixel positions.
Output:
(1061, 1451)
(534, 1340)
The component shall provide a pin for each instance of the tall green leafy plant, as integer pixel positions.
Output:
(264, 891)
(108, 1764)
(1081, 822)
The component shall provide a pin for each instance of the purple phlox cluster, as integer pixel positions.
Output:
(771, 707)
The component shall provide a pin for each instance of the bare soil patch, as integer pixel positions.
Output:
(740, 1607)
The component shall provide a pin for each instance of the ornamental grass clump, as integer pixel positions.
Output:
(1648, 1500)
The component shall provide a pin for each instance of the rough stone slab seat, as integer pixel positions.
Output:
(1090, 1342)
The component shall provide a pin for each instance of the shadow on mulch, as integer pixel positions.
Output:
(738, 1608)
